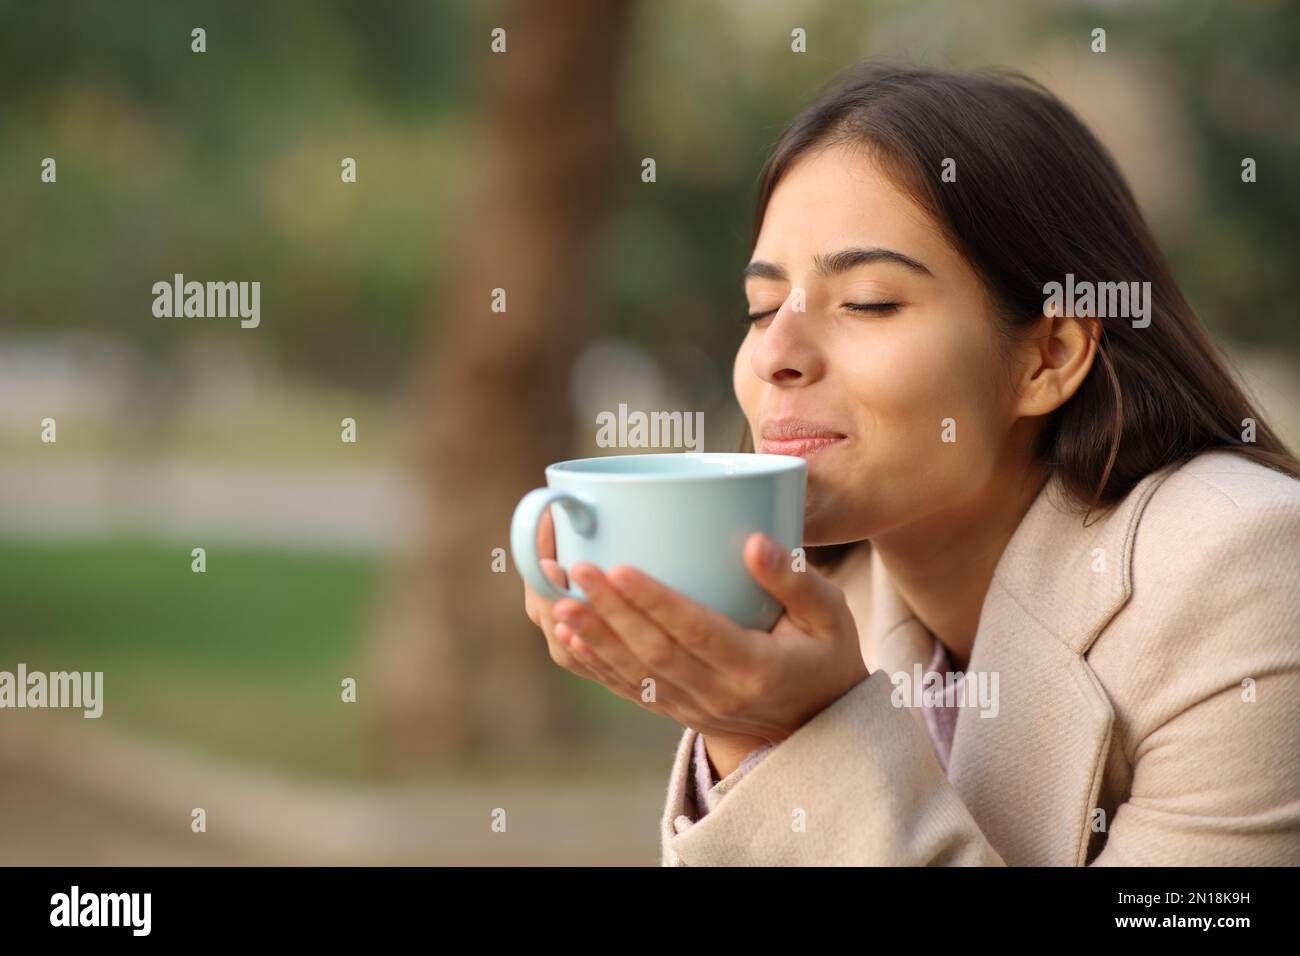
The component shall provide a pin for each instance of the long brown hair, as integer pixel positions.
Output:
(1037, 196)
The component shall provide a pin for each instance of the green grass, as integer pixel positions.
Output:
(244, 660)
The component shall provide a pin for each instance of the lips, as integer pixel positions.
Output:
(797, 436)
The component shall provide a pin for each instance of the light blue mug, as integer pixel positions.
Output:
(681, 518)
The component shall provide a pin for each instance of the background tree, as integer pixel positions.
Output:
(462, 669)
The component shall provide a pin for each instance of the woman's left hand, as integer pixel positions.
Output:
(709, 673)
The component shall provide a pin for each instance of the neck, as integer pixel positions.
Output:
(943, 565)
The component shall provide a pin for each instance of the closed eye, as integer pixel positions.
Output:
(751, 318)
(865, 308)
(872, 308)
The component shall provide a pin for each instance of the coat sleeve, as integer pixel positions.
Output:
(1217, 785)
(859, 784)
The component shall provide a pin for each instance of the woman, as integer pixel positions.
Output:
(1019, 470)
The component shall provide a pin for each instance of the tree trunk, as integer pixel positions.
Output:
(459, 667)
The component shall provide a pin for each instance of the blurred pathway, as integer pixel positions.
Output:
(75, 798)
(318, 507)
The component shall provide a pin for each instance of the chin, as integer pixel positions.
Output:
(814, 540)
(824, 523)
(817, 530)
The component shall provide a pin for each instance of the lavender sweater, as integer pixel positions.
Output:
(940, 720)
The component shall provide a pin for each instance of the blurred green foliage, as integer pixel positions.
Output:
(1234, 69)
(226, 165)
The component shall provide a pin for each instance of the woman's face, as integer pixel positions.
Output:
(894, 351)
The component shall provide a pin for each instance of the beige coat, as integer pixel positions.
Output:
(1148, 703)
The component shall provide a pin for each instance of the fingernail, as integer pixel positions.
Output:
(771, 554)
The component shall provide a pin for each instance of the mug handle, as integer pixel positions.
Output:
(523, 536)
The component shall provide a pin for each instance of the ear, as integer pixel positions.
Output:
(1055, 357)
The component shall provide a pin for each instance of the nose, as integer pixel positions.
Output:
(788, 353)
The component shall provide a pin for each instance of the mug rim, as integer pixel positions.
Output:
(768, 466)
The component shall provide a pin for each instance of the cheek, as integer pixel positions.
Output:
(745, 383)
(934, 408)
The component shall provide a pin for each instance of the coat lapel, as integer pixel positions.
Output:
(1031, 775)
(892, 639)
(1030, 772)
(900, 641)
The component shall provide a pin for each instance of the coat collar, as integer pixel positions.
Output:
(1071, 578)
(1056, 586)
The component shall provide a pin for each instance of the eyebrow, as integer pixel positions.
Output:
(835, 263)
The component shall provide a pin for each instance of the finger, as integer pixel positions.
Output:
(810, 599)
(600, 671)
(683, 703)
(560, 652)
(546, 535)
(690, 626)
(539, 611)
(556, 573)
(534, 603)
(706, 634)
(587, 623)
(629, 640)
(654, 694)
(661, 695)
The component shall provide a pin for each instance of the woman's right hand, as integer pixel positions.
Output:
(725, 750)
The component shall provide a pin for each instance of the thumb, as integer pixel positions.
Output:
(808, 596)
